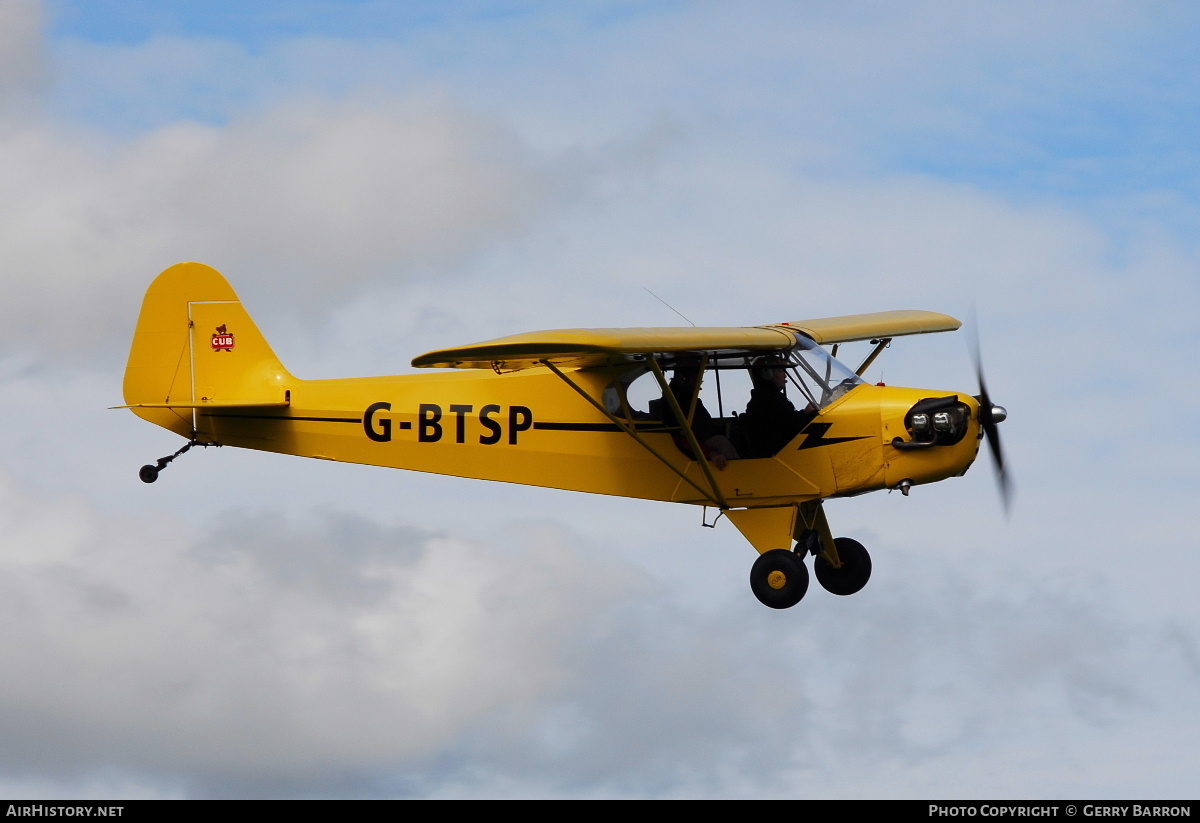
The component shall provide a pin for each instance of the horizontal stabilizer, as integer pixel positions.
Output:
(262, 404)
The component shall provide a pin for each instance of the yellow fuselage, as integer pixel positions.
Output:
(530, 428)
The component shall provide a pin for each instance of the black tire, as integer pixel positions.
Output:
(778, 579)
(855, 570)
(148, 473)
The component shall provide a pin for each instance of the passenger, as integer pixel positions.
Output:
(770, 420)
(684, 386)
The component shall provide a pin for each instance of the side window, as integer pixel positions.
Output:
(640, 390)
(638, 387)
(724, 392)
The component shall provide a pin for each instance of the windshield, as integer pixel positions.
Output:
(817, 375)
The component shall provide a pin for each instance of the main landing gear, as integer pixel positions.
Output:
(779, 578)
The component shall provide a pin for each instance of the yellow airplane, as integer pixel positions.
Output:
(587, 410)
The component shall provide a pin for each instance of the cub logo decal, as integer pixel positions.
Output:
(222, 340)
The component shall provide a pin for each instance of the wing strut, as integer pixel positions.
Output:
(686, 425)
(715, 499)
(880, 344)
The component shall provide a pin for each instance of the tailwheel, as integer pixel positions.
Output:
(779, 579)
(149, 473)
(855, 570)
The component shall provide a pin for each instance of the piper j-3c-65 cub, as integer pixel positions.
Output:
(589, 410)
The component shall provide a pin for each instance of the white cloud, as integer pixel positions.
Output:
(270, 655)
(22, 64)
(345, 191)
(265, 650)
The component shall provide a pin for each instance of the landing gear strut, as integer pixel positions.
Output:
(149, 474)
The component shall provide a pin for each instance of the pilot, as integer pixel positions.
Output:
(684, 386)
(770, 420)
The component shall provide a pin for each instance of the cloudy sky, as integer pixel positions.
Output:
(381, 179)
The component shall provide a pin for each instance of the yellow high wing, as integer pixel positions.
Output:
(581, 348)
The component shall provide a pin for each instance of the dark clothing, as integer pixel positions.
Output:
(703, 425)
(771, 421)
(683, 386)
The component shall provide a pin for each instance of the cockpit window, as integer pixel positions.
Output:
(813, 377)
(739, 405)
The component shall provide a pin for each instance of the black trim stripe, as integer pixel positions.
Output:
(600, 427)
(405, 424)
(358, 420)
(578, 427)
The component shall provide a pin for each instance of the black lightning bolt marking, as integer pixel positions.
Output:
(815, 436)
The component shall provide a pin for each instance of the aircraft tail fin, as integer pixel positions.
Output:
(196, 347)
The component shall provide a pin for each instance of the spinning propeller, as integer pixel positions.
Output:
(990, 415)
